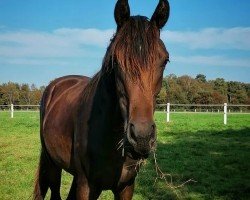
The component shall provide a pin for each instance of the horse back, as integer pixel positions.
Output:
(59, 105)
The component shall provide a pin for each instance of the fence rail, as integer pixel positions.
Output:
(168, 108)
(193, 108)
(18, 108)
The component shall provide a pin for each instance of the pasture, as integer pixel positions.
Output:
(191, 146)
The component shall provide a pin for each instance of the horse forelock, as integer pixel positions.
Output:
(134, 47)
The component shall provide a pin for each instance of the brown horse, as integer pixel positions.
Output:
(98, 129)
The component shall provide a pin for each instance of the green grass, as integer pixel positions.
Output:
(191, 146)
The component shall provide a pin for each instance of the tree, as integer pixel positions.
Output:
(218, 98)
(237, 93)
(10, 93)
(1, 95)
(162, 96)
(201, 78)
(25, 94)
(202, 98)
(220, 85)
(36, 94)
(188, 87)
(175, 93)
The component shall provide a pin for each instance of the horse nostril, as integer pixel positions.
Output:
(132, 132)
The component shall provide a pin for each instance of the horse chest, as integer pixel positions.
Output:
(112, 173)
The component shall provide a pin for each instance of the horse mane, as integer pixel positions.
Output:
(91, 86)
(133, 47)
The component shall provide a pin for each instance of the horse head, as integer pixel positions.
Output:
(139, 57)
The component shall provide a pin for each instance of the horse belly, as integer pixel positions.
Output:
(59, 148)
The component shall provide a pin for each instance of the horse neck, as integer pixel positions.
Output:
(105, 117)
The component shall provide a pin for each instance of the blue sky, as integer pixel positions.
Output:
(42, 40)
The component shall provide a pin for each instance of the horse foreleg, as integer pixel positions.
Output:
(83, 190)
(55, 182)
(125, 194)
(72, 192)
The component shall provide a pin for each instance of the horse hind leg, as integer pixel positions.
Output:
(48, 176)
(126, 193)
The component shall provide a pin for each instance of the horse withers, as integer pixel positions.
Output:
(99, 129)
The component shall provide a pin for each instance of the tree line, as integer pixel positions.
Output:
(20, 94)
(177, 90)
(188, 90)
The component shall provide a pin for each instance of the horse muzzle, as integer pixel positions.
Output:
(142, 137)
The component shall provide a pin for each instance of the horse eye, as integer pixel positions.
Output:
(165, 62)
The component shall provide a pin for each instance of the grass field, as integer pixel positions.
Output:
(191, 146)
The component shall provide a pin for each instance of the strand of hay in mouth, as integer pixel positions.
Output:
(137, 165)
(164, 177)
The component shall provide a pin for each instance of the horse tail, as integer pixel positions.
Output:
(38, 194)
(37, 189)
(42, 179)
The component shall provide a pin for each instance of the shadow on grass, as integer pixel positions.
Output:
(218, 161)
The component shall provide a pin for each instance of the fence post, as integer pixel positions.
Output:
(225, 113)
(168, 111)
(11, 110)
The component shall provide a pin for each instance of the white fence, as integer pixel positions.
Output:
(168, 108)
(201, 108)
(194, 105)
(19, 108)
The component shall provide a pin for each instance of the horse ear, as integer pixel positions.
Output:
(161, 14)
(122, 12)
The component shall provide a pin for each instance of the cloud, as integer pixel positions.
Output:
(211, 38)
(27, 47)
(63, 42)
(34, 62)
(212, 61)
(94, 37)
